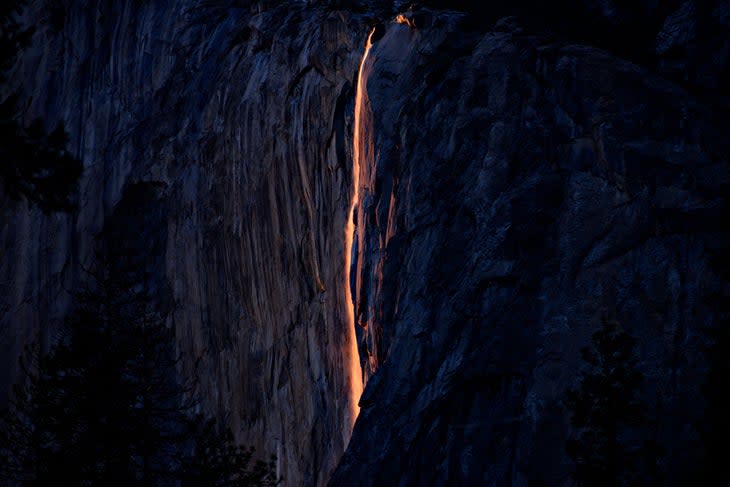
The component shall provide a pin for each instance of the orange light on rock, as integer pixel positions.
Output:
(402, 19)
(356, 381)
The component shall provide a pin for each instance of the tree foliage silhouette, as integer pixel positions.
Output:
(608, 419)
(714, 424)
(34, 164)
(106, 407)
(217, 461)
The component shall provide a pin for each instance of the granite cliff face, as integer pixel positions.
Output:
(520, 192)
(513, 192)
(214, 142)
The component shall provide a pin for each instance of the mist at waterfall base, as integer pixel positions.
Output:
(443, 244)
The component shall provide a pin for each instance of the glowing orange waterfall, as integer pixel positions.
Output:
(356, 382)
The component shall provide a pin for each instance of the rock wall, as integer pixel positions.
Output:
(232, 121)
(519, 191)
(523, 190)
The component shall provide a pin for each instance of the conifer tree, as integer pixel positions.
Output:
(612, 443)
(714, 424)
(218, 461)
(34, 164)
(106, 406)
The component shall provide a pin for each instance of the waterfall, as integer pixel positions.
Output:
(356, 378)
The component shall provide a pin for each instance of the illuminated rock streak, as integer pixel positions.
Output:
(356, 381)
(404, 20)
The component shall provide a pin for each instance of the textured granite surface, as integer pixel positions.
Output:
(519, 190)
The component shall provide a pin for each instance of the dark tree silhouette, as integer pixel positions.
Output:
(27, 430)
(714, 424)
(217, 461)
(13, 37)
(610, 424)
(34, 164)
(106, 407)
